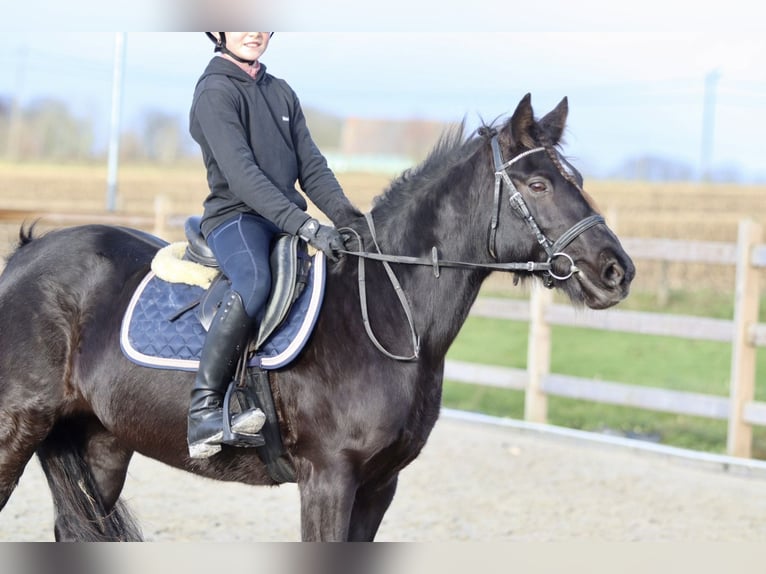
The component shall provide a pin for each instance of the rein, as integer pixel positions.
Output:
(554, 249)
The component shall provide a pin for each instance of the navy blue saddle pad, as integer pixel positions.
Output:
(148, 336)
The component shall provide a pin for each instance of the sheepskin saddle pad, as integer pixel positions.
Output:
(166, 321)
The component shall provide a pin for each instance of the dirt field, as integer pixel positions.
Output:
(472, 483)
(689, 211)
(637, 209)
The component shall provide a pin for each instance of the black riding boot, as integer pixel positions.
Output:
(223, 346)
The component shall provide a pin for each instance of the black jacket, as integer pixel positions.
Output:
(256, 145)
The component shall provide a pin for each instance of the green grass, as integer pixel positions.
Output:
(701, 303)
(666, 362)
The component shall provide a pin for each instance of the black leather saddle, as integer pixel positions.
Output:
(290, 266)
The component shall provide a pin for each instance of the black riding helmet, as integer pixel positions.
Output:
(220, 46)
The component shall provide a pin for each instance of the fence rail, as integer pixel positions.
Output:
(743, 332)
(159, 221)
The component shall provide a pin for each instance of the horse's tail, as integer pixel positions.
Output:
(81, 513)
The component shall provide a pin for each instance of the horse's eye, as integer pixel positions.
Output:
(538, 186)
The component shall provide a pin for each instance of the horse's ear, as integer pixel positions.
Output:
(553, 123)
(519, 129)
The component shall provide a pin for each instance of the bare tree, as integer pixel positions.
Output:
(162, 136)
(46, 130)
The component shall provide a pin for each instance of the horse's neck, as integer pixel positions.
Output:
(441, 304)
(446, 302)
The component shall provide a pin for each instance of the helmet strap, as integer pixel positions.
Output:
(220, 46)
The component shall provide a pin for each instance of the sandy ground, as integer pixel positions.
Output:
(472, 482)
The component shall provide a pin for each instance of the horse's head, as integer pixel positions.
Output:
(549, 217)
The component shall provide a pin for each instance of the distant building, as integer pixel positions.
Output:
(411, 139)
(373, 145)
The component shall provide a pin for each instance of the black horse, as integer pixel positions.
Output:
(351, 417)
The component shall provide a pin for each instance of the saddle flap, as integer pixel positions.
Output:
(211, 300)
(289, 273)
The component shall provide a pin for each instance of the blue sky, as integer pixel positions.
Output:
(631, 92)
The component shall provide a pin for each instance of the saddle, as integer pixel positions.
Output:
(165, 324)
(290, 266)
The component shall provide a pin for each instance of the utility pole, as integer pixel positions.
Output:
(114, 123)
(708, 124)
(13, 144)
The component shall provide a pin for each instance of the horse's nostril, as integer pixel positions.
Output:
(613, 274)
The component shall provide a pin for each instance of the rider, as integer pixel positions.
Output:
(255, 145)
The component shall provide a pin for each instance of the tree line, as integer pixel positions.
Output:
(47, 130)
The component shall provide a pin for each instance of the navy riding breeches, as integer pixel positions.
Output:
(242, 245)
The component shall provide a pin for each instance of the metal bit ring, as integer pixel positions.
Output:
(572, 267)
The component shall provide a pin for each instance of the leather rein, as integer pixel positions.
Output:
(553, 249)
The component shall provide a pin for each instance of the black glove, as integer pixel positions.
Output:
(322, 237)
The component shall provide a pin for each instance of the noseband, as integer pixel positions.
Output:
(554, 249)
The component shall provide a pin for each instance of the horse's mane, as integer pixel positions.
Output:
(450, 150)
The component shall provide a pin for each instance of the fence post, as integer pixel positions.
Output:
(161, 210)
(742, 384)
(663, 284)
(538, 354)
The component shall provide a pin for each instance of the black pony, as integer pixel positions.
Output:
(351, 417)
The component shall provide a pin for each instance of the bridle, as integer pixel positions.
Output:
(554, 249)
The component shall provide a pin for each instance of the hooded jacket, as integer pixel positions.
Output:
(256, 145)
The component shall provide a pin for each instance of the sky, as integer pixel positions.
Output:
(631, 92)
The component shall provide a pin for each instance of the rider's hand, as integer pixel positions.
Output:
(322, 237)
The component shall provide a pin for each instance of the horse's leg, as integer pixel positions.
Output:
(21, 431)
(27, 415)
(108, 461)
(327, 498)
(372, 502)
(86, 467)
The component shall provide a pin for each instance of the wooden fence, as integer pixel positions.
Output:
(743, 332)
(160, 222)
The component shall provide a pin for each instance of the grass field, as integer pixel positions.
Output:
(635, 209)
(665, 362)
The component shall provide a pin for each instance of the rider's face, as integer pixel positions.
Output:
(247, 45)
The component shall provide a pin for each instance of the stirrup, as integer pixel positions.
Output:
(245, 425)
(241, 433)
(203, 449)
